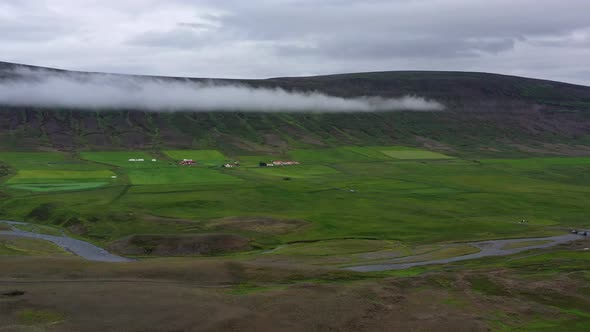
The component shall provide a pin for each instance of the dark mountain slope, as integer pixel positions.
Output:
(485, 112)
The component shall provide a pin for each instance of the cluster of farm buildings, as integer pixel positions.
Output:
(236, 163)
(278, 163)
(189, 162)
(193, 162)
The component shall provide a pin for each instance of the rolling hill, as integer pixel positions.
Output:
(485, 114)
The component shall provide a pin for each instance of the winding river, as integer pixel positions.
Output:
(487, 249)
(81, 248)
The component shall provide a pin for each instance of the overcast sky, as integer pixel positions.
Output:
(266, 38)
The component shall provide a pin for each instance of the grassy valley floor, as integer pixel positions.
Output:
(250, 243)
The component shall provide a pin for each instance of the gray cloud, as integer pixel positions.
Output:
(264, 38)
(418, 47)
(102, 91)
(178, 37)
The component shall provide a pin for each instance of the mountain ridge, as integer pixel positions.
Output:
(484, 112)
(7, 64)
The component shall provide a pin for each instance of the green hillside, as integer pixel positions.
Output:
(485, 114)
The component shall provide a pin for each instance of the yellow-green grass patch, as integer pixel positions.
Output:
(15, 246)
(50, 176)
(39, 317)
(59, 180)
(414, 154)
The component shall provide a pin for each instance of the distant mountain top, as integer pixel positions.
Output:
(457, 89)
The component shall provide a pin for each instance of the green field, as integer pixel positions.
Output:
(53, 171)
(295, 171)
(335, 155)
(45, 187)
(253, 161)
(47, 176)
(363, 154)
(121, 159)
(347, 192)
(179, 175)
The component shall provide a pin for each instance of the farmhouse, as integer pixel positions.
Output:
(187, 162)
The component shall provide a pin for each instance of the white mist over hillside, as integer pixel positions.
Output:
(41, 88)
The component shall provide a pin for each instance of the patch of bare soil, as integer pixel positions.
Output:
(180, 245)
(263, 225)
(176, 307)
